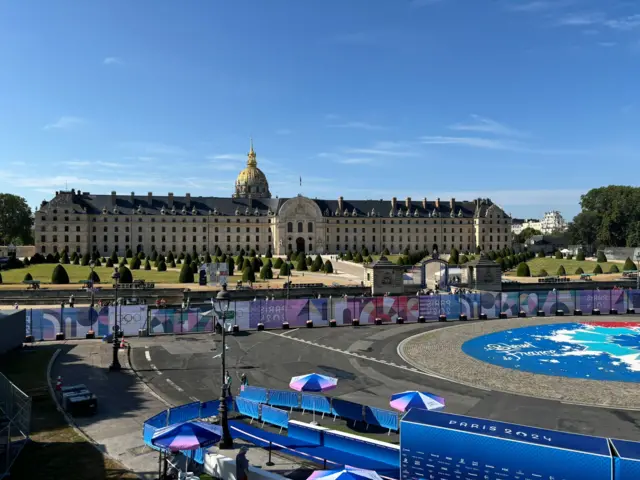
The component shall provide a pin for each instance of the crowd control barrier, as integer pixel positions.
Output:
(248, 408)
(348, 410)
(283, 398)
(363, 447)
(274, 416)
(315, 403)
(255, 394)
(44, 324)
(383, 418)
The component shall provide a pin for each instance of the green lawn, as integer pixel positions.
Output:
(55, 449)
(77, 273)
(551, 266)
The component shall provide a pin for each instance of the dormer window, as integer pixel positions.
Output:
(194, 211)
(327, 213)
(237, 211)
(173, 210)
(256, 212)
(373, 212)
(104, 210)
(337, 213)
(415, 213)
(355, 213)
(435, 212)
(115, 210)
(215, 211)
(184, 210)
(246, 211)
(139, 208)
(162, 211)
(391, 213)
(346, 212)
(459, 212)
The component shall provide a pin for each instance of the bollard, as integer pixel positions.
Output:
(378, 321)
(631, 311)
(90, 335)
(261, 327)
(285, 325)
(333, 323)
(559, 313)
(60, 336)
(463, 317)
(399, 320)
(442, 318)
(309, 323)
(522, 314)
(540, 313)
(483, 316)
(355, 322)
(503, 315)
(421, 319)
(613, 311)
(236, 328)
(577, 312)
(595, 311)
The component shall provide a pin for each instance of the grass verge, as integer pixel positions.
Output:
(551, 265)
(56, 450)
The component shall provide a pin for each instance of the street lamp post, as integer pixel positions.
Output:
(92, 265)
(226, 443)
(115, 364)
(638, 271)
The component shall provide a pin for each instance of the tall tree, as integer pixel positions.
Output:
(15, 220)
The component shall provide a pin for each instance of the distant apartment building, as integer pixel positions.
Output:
(552, 222)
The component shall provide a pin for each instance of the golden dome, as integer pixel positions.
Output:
(252, 182)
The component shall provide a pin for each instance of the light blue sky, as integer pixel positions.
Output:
(528, 102)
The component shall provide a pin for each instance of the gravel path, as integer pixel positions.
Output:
(439, 352)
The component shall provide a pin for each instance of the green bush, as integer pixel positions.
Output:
(269, 254)
(357, 258)
(73, 256)
(365, 252)
(256, 264)
(508, 263)
(541, 254)
(207, 258)
(147, 265)
(0, 279)
(109, 262)
(369, 259)
(56, 257)
(50, 258)
(386, 251)
(523, 270)
(186, 274)
(348, 256)
(86, 258)
(543, 273)
(154, 255)
(561, 271)
(94, 277)
(27, 277)
(601, 257)
(97, 262)
(65, 258)
(328, 267)
(266, 273)
(629, 265)
(245, 263)
(172, 264)
(252, 253)
(194, 267)
(463, 259)
(559, 255)
(569, 256)
(188, 259)
(317, 264)
(26, 261)
(230, 265)
(59, 276)
(308, 261)
(122, 263)
(277, 263)
(598, 269)
(162, 267)
(454, 257)
(248, 275)
(284, 269)
(301, 266)
(580, 256)
(126, 276)
(128, 253)
(500, 261)
(134, 263)
(579, 271)
(614, 269)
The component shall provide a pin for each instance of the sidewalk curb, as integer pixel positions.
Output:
(70, 420)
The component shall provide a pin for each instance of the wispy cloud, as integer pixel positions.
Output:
(113, 61)
(283, 131)
(486, 125)
(359, 125)
(535, 6)
(584, 19)
(380, 152)
(65, 123)
(356, 161)
(478, 142)
(630, 22)
(607, 44)
(236, 157)
(93, 163)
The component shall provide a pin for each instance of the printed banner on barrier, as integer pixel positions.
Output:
(437, 445)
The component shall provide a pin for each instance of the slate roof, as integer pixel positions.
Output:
(80, 202)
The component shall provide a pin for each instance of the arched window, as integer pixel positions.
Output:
(299, 227)
(310, 227)
(290, 227)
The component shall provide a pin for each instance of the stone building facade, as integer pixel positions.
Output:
(250, 219)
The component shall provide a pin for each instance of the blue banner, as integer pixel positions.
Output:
(434, 445)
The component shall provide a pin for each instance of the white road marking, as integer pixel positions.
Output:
(156, 369)
(290, 331)
(195, 399)
(370, 359)
(147, 355)
(174, 385)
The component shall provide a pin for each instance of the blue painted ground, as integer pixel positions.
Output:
(598, 352)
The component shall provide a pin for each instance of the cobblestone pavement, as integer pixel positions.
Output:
(439, 352)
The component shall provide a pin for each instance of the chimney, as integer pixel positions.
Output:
(453, 204)
(424, 203)
(188, 200)
(394, 202)
(170, 200)
(133, 200)
(150, 198)
(341, 204)
(408, 203)
(113, 198)
(438, 203)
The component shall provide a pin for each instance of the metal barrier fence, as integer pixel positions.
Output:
(44, 324)
(15, 423)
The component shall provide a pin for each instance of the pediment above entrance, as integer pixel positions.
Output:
(300, 207)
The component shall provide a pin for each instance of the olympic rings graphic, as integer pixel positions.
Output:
(129, 317)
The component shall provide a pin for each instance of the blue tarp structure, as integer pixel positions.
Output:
(184, 413)
(316, 403)
(284, 398)
(348, 410)
(383, 418)
(256, 394)
(248, 408)
(275, 416)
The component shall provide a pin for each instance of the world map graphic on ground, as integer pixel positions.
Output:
(592, 350)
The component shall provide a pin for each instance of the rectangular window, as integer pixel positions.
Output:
(94, 239)
(77, 238)
(115, 239)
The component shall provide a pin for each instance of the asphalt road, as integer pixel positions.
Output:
(364, 359)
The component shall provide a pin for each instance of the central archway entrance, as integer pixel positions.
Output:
(300, 245)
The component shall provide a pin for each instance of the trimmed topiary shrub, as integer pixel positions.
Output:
(194, 267)
(629, 265)
(86, 258)
(27, 277)
(128, 253)
(386, 251)
(109, 263)
(50, 258)
(541, 254)
(65, 259)
(147, 265)
(186, 274)
(266, 273)
(284, 269)
(301, 266)
(523, 270)
(454, 257)
(543, 273)
(348, 256)
(614, 269)
(248, 275)
(308, 261)
(122, 263)
(357, 258)
(561, 271)
(172, 264)
(369, 259)
(76, 261)
(97, 262)
(277, 263)
(559, 255)
(580, 256)
(59, 276)
(162, 267)
(601, 257)
(463, 259)
(26, 261)
(125, 275)
(134, 263)
(598, 269)
(94, 277)
(579, 271)
(328, 267)
(154, 255)
(141, 255)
